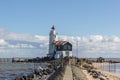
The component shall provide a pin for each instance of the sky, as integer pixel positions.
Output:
(71, 17)
(25, 25)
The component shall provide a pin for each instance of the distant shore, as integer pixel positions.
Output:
(98, 65)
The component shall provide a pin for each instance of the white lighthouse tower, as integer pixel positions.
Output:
(57, 48)
(52, 39)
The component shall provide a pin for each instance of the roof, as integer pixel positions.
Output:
(53, 27)
(60, 42)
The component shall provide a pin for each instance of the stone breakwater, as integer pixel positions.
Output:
(43, 72)
(40, 73)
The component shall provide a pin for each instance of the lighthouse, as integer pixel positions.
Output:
(52, 39)
(58, 49)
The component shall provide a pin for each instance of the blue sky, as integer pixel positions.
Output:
(71, 17)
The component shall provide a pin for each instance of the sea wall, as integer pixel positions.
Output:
(38, 74)
(42, 73)
(56, 75)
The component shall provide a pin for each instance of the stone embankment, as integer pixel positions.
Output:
(38, 74)
(42, 73)
(78, 73)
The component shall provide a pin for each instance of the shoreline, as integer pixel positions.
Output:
(94, 72)
(101, 67)
(111, 75)
(98, 65)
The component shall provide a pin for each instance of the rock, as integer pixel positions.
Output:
(39, 68)
(30, 77)
(102, 78)
(19, 78)
(95, 76)
(39, 73)
(25, 77)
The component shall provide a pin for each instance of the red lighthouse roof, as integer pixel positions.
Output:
(53, 27)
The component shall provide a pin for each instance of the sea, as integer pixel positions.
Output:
(112, 67)
(9, 70)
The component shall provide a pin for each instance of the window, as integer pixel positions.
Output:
(65, 46)
(69, 47)
(58, 47)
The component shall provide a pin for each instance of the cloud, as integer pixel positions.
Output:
(21, 46)
(41, 38)
(96, 38)
(37, 45)
(95, 45)
(3, 42)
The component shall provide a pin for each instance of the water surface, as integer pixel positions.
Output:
(8, 71)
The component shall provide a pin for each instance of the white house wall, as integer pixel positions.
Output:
(63, 53)
(70, 53)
